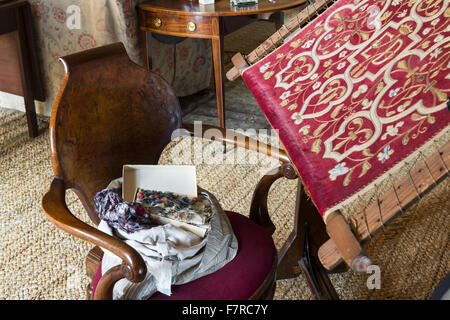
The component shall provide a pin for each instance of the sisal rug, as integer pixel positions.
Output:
(39, 261)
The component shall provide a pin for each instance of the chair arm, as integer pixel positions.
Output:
(55, 208)
(231, 137)
(259, 212)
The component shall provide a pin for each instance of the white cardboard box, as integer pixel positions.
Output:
(176, 179)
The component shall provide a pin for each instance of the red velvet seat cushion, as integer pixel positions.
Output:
(237, 280)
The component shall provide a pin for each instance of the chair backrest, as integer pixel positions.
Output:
(108, 112)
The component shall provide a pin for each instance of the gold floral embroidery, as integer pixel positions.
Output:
(268, 74)
(406, 29)
(316, 146)
(386, 15)
(292, 107)
(284, 103)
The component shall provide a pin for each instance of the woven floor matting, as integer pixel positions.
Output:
(38, 261)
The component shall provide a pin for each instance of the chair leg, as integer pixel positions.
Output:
(299, 254)
(89, 292)
(93, 259)
(315, 274)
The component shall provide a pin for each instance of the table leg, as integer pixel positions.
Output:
(278, 18)
(217, 52)
(145, 50)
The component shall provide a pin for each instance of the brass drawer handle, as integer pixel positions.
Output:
(191, 26)
(157, 22)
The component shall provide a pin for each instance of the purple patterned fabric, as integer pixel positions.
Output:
(127, 216)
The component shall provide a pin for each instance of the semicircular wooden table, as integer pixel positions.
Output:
(184, 18)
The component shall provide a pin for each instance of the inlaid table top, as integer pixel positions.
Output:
(219, 8)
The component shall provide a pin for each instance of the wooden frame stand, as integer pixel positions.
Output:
(345, 243)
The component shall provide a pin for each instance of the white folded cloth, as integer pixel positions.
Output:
(172, 255)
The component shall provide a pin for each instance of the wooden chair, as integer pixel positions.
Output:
(110, 112)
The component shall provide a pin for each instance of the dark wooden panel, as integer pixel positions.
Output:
(19, 65)
(10, 80)
(31, 45)
(7, 19)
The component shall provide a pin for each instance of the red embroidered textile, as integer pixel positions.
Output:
(358, 90)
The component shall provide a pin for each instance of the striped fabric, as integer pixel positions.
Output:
(172, 255)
